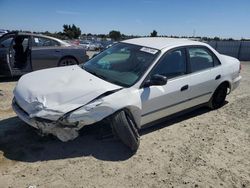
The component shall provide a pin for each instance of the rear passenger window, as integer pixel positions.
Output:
(44, 42)
(200, 59)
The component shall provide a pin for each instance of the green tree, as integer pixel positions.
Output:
(216, 38)
(115, 35)
(153, 34)
(72, 32)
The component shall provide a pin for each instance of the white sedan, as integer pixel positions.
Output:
(130, 85)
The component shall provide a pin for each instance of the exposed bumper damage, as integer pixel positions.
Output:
(68, 124)
(46, 126)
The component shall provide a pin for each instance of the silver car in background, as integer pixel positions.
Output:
(21, 53)
(91, 45)
(88, 45)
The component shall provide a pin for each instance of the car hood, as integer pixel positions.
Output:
(50, 93)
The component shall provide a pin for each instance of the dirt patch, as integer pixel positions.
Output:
(199, 149)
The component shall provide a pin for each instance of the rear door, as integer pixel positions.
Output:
(205, 73)
(46, 53)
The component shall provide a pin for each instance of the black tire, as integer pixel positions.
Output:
(218, 98)
(125, 129)
(66, 61)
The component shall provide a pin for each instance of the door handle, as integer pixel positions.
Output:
(57, 50)
(184, 88)
(218, 77)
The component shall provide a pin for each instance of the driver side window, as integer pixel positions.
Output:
(173, 64)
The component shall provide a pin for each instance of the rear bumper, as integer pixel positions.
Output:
(236, 83)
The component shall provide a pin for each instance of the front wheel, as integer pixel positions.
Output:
(218, 98)
(66, 61)
(125, 129)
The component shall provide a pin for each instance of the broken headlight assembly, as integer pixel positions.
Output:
(73, 118)
(89, 113)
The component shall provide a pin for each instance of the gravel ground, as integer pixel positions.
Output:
(199, 149)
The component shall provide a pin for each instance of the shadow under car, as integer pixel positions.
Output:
(20, 142)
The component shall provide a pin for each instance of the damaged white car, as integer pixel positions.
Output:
(131, 84)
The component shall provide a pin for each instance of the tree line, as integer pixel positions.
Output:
(74, 32)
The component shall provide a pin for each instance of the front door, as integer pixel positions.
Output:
(161, 101)
(6, 56)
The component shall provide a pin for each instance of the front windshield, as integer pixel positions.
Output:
(122, 64)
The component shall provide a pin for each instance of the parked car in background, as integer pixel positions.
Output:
(99, 46)
(75, 42)
(130, 85)
(88, 45)
(21, 53)
(91, 45)
(3, 31)
(108, 44)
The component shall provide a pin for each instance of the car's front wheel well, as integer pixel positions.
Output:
(124, 128)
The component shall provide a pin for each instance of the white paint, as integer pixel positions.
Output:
(50, 93)
(148, 50)
(66, 95)
(161, 42)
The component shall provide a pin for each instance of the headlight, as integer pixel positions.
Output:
(69, 119)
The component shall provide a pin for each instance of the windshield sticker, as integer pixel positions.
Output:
(149, 50)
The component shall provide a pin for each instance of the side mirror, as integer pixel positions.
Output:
(156, 80)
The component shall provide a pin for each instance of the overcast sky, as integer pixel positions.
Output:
(223, 18)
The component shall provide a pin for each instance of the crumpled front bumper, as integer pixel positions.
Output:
(46, 126)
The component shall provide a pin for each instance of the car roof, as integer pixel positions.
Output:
(36, 35)
(25, 33)
(161, 42)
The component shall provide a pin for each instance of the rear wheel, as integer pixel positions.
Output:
(66, 61)
(125, 129)
(218, 98)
